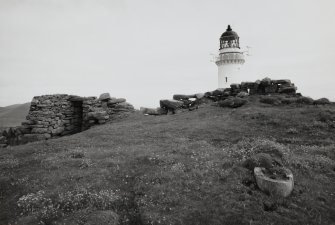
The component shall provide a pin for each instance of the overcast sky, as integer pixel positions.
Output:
(149, 50)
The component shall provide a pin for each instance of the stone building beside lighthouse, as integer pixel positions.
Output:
(230, 59)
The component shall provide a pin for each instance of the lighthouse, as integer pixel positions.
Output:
(230, 59)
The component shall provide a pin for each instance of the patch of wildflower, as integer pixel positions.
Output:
(33, 202)
(102, 200)
(85, 163)
(178, 167)
(313, 157)
(9, 162)
(44, 208)
(247, 147)
(39, 205)
(292, 130)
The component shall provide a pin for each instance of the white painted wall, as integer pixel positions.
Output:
(232, 72)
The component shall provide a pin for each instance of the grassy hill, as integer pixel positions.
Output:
(186, 168)
(13, 115)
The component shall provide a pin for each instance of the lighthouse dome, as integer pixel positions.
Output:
(229, 35)
(229, 39)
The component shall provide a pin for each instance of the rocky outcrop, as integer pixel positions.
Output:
(58, 115)
(226, 97)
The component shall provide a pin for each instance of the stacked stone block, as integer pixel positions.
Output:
(189, 102)
(59, 115)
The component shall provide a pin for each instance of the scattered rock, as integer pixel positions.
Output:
(171, 104)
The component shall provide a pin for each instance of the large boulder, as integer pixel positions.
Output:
(287, 90)
(266, 82)
(218, 92)
(321, 101)
(183, 97)
(208, 94)
(171, 104)
(57, 131)
(235, 86)
(282, 82)
(232, 102)
(246, 85)
(259, 160)
(104, 97)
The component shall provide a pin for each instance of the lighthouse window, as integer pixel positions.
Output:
(226, 79)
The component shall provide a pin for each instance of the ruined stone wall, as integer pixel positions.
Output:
(59, 115)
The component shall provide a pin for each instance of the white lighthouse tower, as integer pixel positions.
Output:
(230, 59)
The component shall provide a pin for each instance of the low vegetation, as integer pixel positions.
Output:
(189, 168)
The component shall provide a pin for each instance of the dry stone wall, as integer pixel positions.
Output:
(61, 114)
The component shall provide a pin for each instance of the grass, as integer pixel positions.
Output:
(176, 169)
(13, 115)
